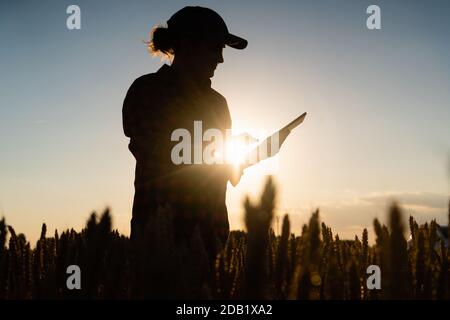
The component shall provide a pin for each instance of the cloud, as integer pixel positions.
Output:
(426, 201)
(351, 215)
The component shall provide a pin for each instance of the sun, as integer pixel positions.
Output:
(235, 150)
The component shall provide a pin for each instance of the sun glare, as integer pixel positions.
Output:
(236, 151)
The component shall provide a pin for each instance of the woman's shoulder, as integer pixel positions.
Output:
(147, 80)
(154, 79)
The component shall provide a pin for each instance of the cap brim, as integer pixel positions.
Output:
(235, 42)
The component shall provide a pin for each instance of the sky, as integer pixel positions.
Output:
(378, 104)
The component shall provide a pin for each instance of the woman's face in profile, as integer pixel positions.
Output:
(204, 58)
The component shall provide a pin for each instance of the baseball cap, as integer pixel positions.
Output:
(204, 22)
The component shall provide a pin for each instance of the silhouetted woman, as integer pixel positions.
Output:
(174, 97)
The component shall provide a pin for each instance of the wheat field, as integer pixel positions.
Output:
(255, 264)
